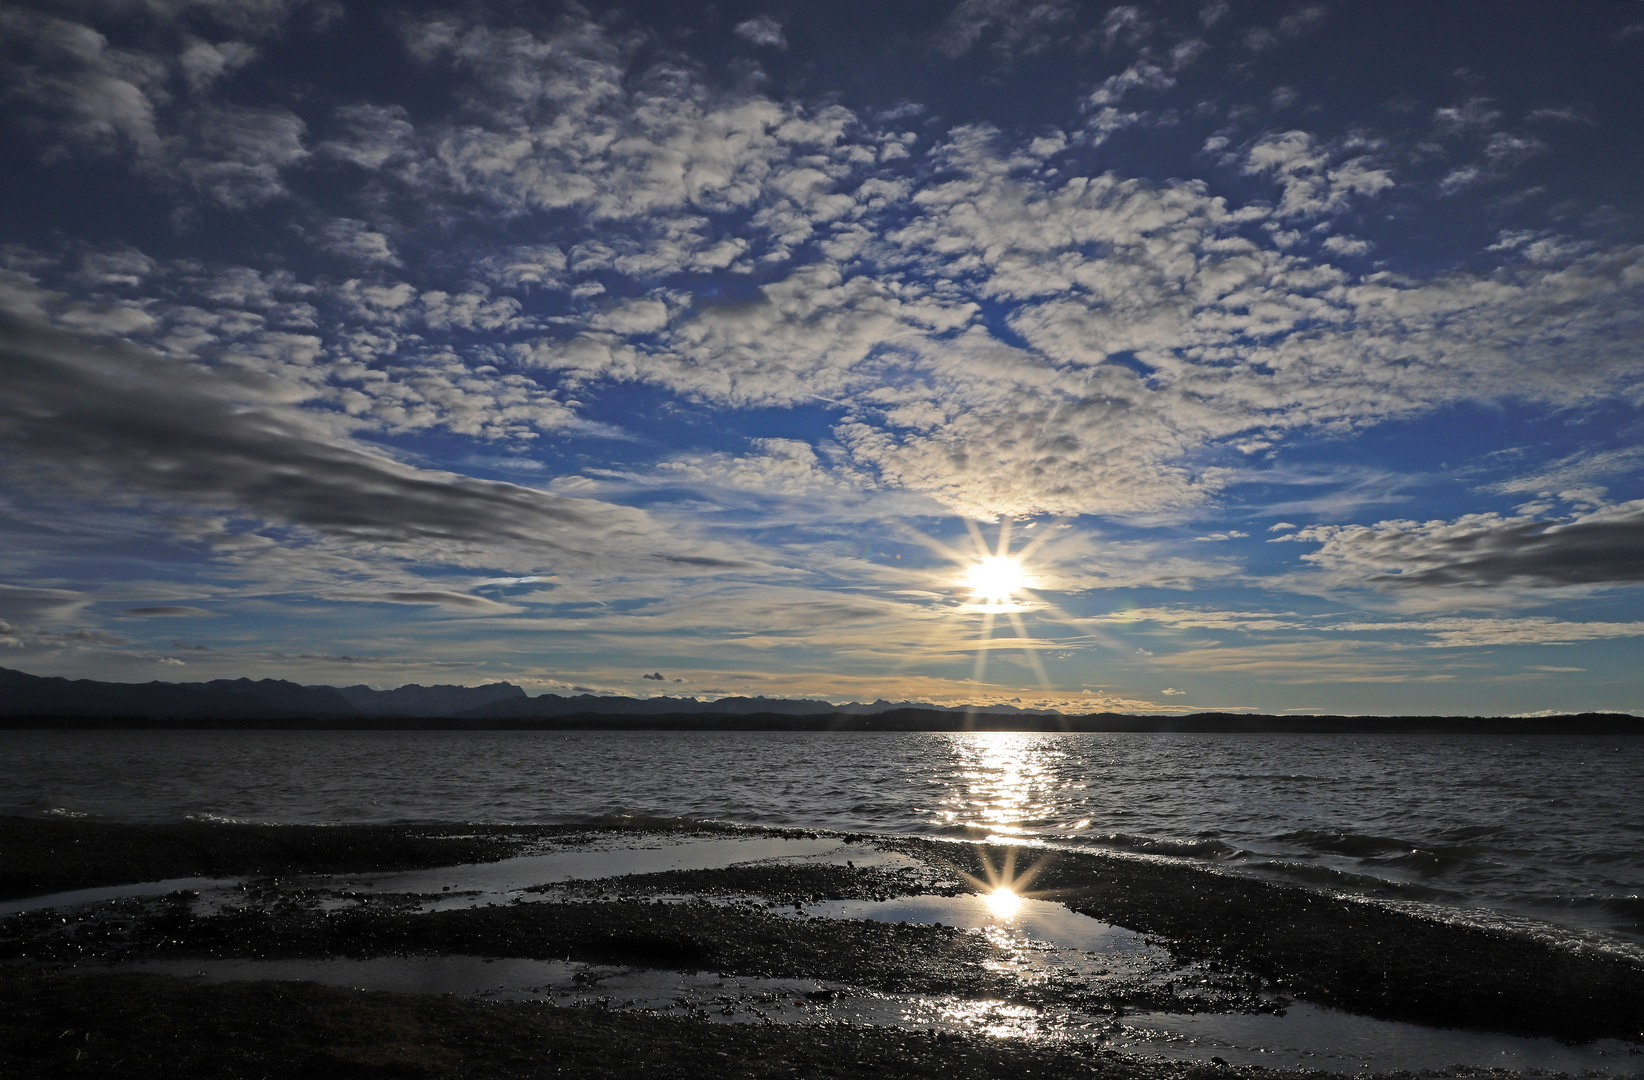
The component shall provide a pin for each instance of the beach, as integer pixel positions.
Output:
(616, 949)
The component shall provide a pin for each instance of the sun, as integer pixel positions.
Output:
(995, 578)
(1003, 902)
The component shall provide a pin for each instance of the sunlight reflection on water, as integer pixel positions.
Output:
(1005, 780)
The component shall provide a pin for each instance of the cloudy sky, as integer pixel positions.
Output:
(702, 349)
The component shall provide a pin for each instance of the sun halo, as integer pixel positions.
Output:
(996, 578)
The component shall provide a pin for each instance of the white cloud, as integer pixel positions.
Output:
(235, 154)
(355, 240)
(1444, 632)
(369, 135)
(1315, 179)
(204, 62)
(762, 30)
(1599, 548)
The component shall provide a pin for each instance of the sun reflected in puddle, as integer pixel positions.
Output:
(1003, 903)
(995, 1018)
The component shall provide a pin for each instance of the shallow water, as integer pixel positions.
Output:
(1045, 946)
(1305, 1037)
(1545, 828)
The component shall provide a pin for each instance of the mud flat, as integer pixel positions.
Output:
(658, 948)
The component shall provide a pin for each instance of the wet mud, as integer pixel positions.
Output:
(46, 856)
(143, 1026)
(1363, 957)
(1231, 945)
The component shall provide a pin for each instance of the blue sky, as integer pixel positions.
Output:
(1294, 348)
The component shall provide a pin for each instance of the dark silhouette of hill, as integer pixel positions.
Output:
(31, 701)
(22, 694)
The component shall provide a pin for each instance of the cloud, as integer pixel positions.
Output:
(1141, 75)
(1315, 179)
(558, 121)
(89, 94)
(762, 30)
(1013, 28)
(357, 241)
(443, 598)
(1576, 471)
(235, 154)
(1346, 245)
(84, 94)
(1445, 632)
(28, 605)
(369, 135)
(1604, 547)
(780, 466)
(168, 611)
(205, 62)
(109, 421)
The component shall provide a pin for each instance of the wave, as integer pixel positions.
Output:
(1628, 910)
(649, 821)
(1421, 856)
(1347, 881)
(1200, 848)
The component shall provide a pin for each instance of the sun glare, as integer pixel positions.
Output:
(1003, 903)
(996, 577)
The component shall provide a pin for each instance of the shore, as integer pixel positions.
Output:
(1234, 946)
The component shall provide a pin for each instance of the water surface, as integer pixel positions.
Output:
(1541, 828)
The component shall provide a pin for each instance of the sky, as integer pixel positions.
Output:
(1154, 356)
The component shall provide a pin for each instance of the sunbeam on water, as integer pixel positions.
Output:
(1008, 780)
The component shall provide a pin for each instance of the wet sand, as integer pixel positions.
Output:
(1241, 946)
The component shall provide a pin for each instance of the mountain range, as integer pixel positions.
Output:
(22, 694)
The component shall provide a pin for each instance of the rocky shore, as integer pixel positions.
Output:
(72, 1003)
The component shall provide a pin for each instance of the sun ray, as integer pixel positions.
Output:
(1002, 888)
(1032, 655)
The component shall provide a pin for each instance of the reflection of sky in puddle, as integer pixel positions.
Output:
(1041, 942)
(112, 892)
(507, 878)
(1034, 920)
(1308, 1037)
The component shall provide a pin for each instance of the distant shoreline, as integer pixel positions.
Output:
(898, 720)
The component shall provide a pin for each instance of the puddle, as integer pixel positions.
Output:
(1047, 940)
(113, 892)
(1050, 950)
(474, 884)
(1039, 920)
(1043, 940)
(1308, 1037)
(1314, 1037)
(508, 878)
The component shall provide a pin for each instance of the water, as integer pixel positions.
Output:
(1307, 1037)
(1545, 829)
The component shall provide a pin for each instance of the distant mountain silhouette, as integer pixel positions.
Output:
(417, 700)
(32, 701)
(22, 694)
